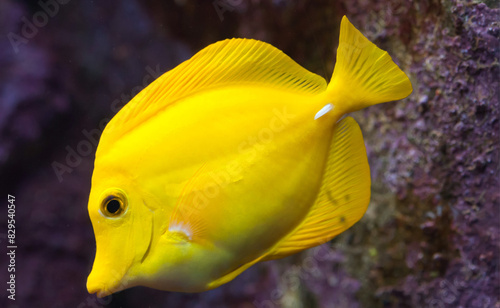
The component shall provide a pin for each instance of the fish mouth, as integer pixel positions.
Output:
(101, 290)
(105, 283)
(98, 291)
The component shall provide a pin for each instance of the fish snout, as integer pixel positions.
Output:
(94, 286)
(105, 283)
(97, 286)
(99, 290)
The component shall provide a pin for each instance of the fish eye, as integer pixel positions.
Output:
(113, 204)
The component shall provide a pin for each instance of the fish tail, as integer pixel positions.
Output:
(364, 74)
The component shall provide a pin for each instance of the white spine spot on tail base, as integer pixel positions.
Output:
(323, 111)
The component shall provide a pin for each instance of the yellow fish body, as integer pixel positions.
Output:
(236, 156)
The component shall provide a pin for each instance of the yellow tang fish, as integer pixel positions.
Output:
(236, 156)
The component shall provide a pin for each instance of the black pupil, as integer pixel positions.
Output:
(113, 206)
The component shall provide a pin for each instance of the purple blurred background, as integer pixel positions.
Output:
(430, 237)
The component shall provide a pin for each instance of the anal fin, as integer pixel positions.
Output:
(233, 274)
(342, 199)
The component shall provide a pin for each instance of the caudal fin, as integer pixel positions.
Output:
(364, 74)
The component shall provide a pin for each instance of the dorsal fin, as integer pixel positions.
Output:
(343, 197)
(225, 63)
